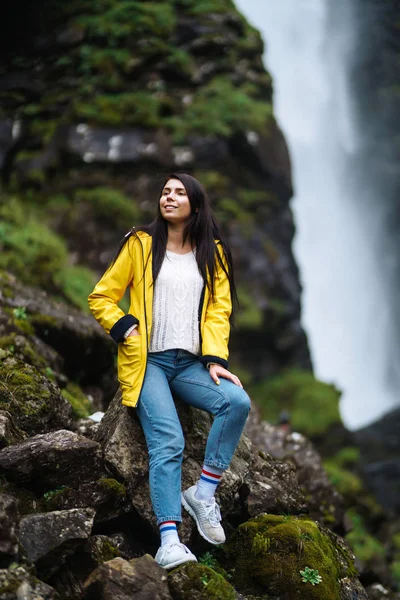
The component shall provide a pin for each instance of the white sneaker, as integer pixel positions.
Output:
(206, 514)
(172, 555)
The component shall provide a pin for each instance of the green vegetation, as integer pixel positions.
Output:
(346, 482)
(117, 488)
(200, 578)
(135, 108)
(273, 554)
(310, 576)
(81, 405)
(76, 282)
(29, 249)
(51, 494)
(207, 6)
(111, 206)
(365, 546)
(208, 560)
(312, 404)
(39, 257)
(20, 313)
(221, 108)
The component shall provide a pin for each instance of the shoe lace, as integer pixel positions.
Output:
(213, 513)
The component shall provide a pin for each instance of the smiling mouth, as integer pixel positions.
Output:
(169, 206)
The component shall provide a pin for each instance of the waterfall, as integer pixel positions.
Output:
(339, 220)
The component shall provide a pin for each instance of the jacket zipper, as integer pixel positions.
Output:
(201, 303)
(145, 314)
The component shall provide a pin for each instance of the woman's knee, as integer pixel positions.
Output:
(239, 400)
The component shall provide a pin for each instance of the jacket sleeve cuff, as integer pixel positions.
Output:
(118, 329)
(207, 358)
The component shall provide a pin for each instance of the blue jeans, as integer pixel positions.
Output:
(180, 373)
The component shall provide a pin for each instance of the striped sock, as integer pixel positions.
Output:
(207, 484)
(169, 533)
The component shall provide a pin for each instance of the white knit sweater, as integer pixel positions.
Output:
(177, 294)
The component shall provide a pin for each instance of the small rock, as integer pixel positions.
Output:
(42, 533)
(51, 460)
(119, 579)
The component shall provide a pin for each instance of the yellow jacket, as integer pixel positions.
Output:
(133, 268)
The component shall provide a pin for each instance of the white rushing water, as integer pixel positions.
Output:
(338, 224)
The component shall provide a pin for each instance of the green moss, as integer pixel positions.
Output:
(113, 485)
(216, 184)
(129, 108)
(396, 540)
(200, 7)
(42, 321)
(395, 570)
(201, 578)
(348, 456)
(81, 405)
(121, 21)
(364, 545)
(346, 482)
(24, 326)
(76, 282)
(312, 404)
(104, 552)
(220, 108)
(24, 350)
(22, 392)
(268, 553)
(29, 249)
(111, 206)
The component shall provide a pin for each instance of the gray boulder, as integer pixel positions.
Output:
(50, 460)
(120, 579)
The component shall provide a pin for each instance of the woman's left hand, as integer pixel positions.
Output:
(216, 371)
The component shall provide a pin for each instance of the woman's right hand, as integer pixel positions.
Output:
(134, 332)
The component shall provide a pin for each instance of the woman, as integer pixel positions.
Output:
(174, 343)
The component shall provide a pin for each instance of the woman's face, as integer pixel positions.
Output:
(174, 202)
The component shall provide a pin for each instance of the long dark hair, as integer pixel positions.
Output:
(202, 230)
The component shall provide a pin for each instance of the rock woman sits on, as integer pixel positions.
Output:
(174, 343)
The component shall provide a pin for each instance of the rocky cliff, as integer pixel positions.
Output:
(75, 515)
(98, 102)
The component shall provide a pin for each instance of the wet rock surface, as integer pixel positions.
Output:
(119, 579)
(49, 460)
(43, 533)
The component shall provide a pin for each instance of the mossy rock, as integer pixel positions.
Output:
(21, 347)
(198, 582)
(267, 554)
(18, 577)
(35, 404)
(313, 405)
